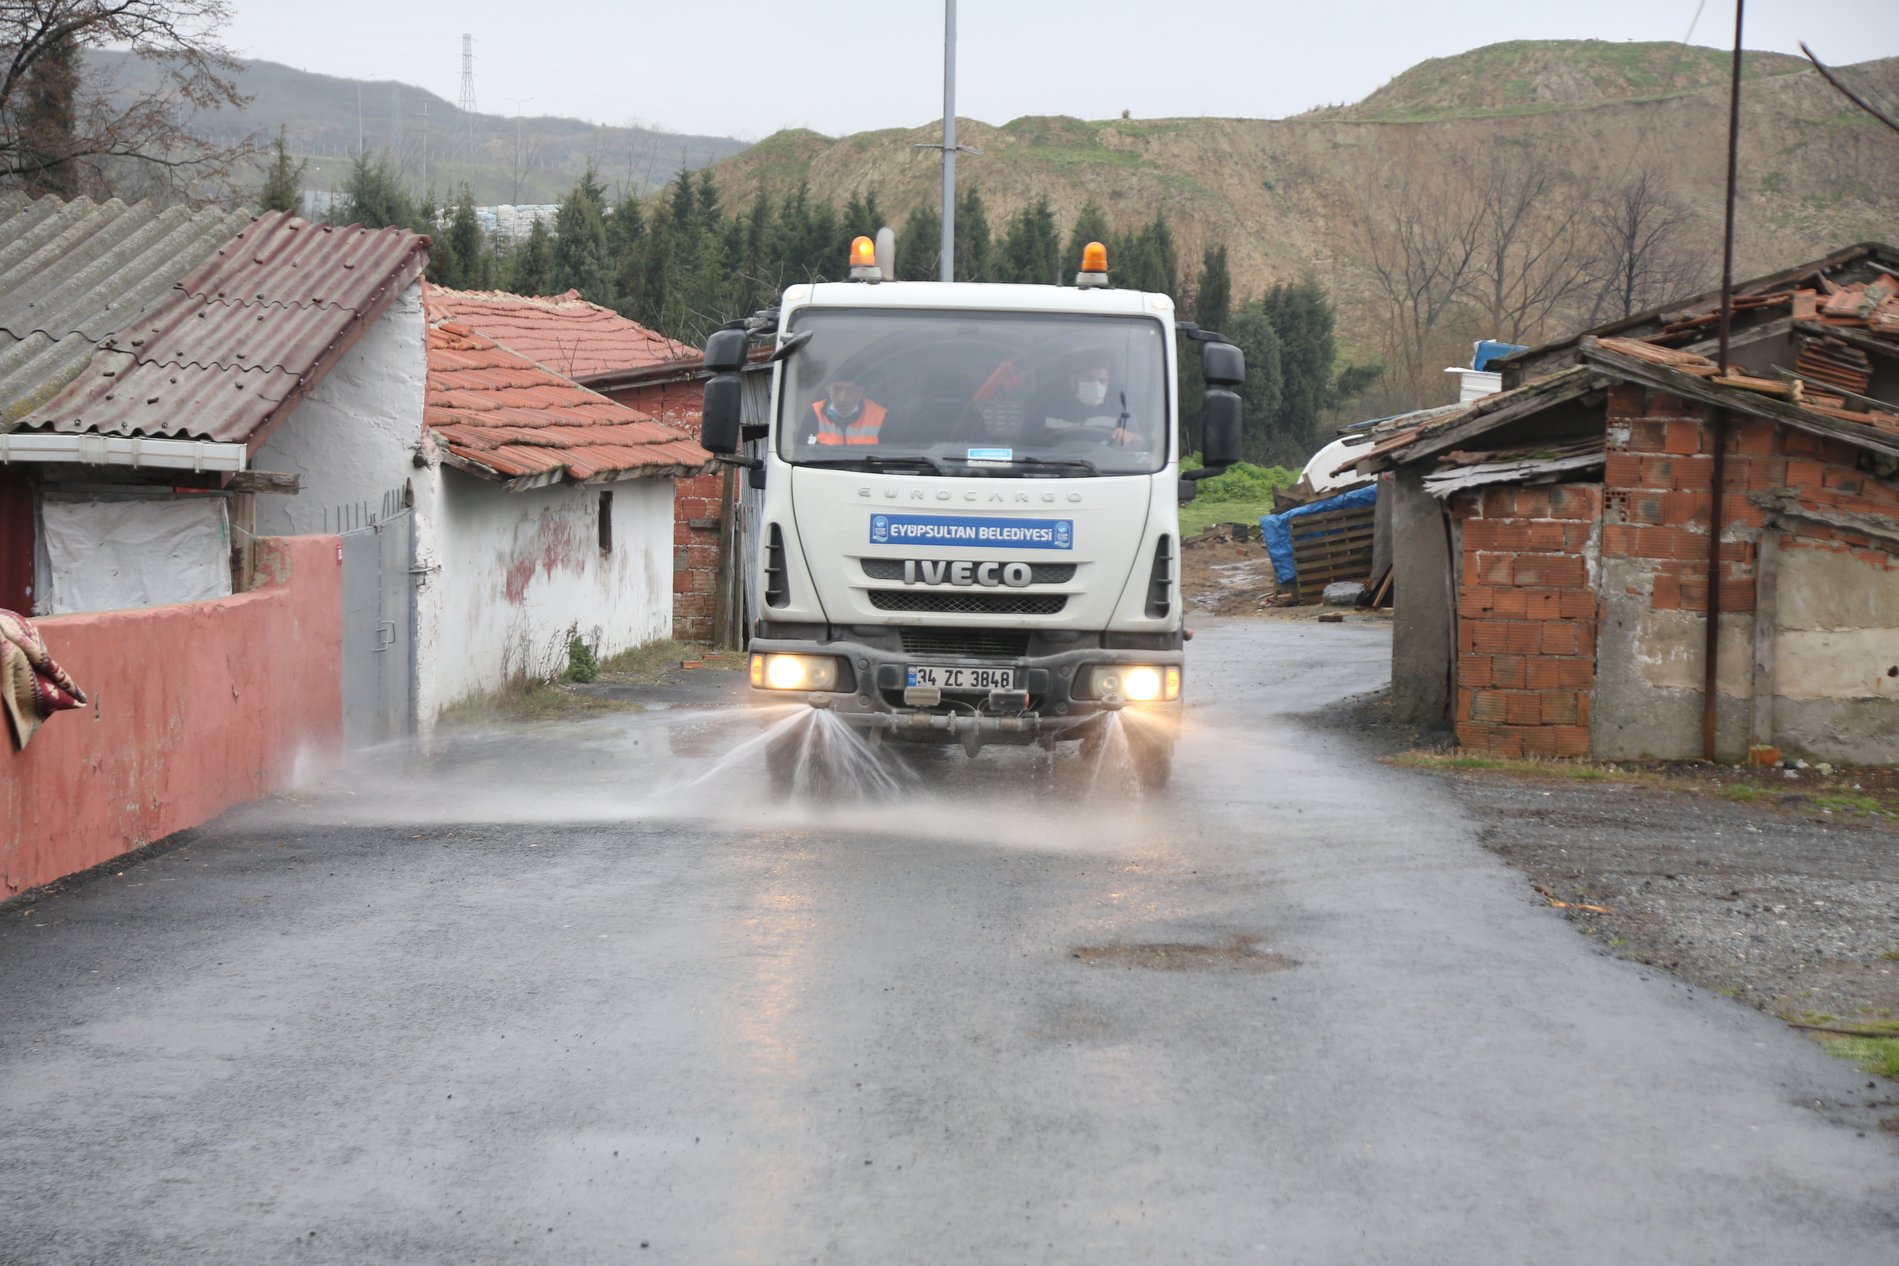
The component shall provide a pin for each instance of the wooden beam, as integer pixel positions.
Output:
(1750, 403)
(1832, 389)
(1526, 401)
(264, 481)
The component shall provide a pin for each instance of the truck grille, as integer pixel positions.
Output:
(967, 643)
(962, 602)
(1039, 573)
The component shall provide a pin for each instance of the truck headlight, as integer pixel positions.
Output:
(1136, 683)
(794, 672)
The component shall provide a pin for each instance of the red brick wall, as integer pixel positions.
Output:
(1526, 619)
(1658, 481)
(695, 511)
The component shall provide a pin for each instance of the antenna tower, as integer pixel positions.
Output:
(467, 102)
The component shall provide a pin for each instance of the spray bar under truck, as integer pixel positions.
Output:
(970, 526)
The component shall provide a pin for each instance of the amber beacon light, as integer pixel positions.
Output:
(864, 260)
(1094, 266)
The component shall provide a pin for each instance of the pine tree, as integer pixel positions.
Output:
(283, 183)
(1260, 394)
(580, 241)
(653, 300)
(1302, 318)
(533, 263)
(920, 246)
(1032, 247)
(373, 195)
(464, 233)
(1213, 292)
(626, 252)
(973, 244)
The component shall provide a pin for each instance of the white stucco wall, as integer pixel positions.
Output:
(354, 437)
(512, 575)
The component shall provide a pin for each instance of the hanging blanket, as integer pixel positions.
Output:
(33, 686)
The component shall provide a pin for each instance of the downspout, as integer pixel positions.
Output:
(1718, 476)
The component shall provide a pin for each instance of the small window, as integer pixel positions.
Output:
(606, 523)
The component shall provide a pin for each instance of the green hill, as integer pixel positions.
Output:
(532, 159)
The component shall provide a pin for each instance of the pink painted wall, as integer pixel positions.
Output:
(194, 708)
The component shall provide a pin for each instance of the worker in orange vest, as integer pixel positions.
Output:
(846, 416)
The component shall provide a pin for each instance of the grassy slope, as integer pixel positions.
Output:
(1283, 195)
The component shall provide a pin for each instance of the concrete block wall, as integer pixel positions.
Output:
(1526, 618)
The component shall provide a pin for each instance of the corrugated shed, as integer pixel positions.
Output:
(243, 336)
(72, 274)
(500, 414)
(564, 332)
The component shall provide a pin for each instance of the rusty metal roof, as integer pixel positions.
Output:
(567, 334)
(243, 336)
(72, 274)
(501, 415)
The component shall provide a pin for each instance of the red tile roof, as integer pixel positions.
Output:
(244, 336)
(499, 414)
(563, 332)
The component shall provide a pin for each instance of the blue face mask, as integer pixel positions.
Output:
(832, 412)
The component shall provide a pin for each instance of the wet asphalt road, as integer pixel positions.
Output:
(545, 1002)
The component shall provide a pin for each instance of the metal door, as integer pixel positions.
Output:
(378, 603)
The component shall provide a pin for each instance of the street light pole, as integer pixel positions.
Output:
(946, 270)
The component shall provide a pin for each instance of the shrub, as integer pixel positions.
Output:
(582, 664)
(1242, 481)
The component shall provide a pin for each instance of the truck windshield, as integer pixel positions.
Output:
(999, 394)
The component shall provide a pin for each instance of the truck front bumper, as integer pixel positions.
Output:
(1055, 698)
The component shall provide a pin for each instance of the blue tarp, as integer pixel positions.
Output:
(1277, 528)
(1489, 350)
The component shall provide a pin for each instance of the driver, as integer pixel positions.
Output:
(1093, 405)
(846, 415)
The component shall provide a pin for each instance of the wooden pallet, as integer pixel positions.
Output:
(1329, 547)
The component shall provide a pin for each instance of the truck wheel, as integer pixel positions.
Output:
(1153, 760)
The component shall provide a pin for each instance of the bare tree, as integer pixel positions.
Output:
(1534, 257)
(1640, 260)
(1419, 229)
(63, 128)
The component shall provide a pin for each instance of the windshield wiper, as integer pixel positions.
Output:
(870, 461)
(1057, 463)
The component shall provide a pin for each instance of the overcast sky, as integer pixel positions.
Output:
(747, 68)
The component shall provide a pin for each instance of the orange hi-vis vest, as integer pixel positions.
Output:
(864, 430)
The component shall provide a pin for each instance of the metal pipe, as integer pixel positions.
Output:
(946, 266)
(1711, 653)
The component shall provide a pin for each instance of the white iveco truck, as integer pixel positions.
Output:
(970, 530)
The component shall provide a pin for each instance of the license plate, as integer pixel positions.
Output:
(950, 677)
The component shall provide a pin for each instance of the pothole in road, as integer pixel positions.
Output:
(1237, 953)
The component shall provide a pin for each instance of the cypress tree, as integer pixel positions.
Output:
(920, 245)
(283, 183)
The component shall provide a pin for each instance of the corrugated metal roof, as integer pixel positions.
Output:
(72, 274)
(502, 415)
(246, 333)
(564, 332)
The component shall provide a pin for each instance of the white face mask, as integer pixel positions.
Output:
(1091, 391)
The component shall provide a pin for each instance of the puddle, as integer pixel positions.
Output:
(1238, 953)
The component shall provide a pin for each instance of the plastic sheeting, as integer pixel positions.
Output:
(1277, 528)
(113, 555)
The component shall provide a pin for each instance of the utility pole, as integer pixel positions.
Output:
(946, 266)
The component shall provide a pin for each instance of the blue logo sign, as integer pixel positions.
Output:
(949, 529)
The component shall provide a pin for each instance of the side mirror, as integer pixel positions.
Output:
(1222, 364)
(719, 420)
(725, 351)
(1220, 416)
